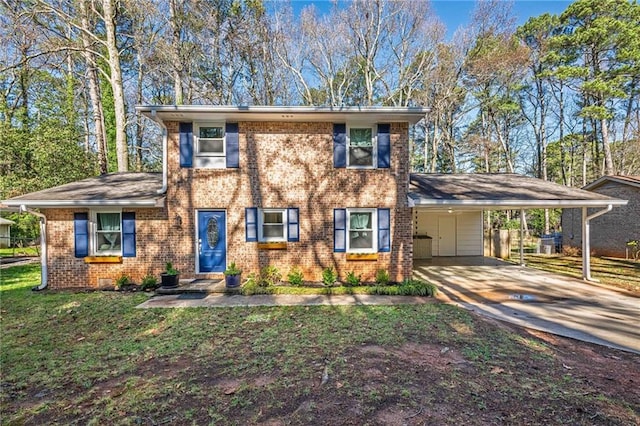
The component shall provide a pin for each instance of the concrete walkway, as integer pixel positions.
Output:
(191, 300)
(536, 299)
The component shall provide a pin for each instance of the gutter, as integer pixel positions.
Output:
(86, 203)
(43, 247)
(165, 137)
(586, 244)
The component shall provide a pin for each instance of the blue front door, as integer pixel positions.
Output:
(212, 241)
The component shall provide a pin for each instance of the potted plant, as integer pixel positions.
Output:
(232, 275)
(170, 277)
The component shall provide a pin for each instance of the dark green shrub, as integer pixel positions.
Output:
(352, 279)
(149, 282)
(295, 276)
(329, 276)
(269, 276)
(382, 277)
(122, 280)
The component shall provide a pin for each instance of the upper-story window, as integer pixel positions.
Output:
(210, 139)
(361, 147)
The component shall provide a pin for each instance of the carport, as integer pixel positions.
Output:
(453, 205)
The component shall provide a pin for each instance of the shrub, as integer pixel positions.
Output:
(571, 251)
(295, 276)
(406, 288)
(149, 282)
(269, 276)
(253, 285)
(329, 276)
(382, 277)
(352, 279)
(122, 280)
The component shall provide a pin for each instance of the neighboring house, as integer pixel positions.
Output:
(287, 187)
(611, 232)
(5, 232)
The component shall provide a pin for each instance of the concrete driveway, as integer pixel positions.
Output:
(537, 299)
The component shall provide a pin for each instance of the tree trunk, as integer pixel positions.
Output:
(115, 78)
(608, 159)
(178, 86)
(94, 92)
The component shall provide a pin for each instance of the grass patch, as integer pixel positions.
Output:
(93, 358)
(620, 273)
(19, 251)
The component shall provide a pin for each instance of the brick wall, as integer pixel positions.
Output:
(291, 165)
(611, 231)
(67, 271)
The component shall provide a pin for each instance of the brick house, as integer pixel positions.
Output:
(612, 231)
(282, 186)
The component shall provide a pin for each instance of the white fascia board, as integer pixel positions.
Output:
(152, 203)
(516, 204)
(286, 114)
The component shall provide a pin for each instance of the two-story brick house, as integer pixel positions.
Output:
(282, 186)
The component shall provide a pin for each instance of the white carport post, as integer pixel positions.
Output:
(586, 246)
(521, 237)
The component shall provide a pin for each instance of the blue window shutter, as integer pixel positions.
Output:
(293, 223)
(384, 146)
(81, 234)
(339, 145)
(251, 223)
(339, 230)
(186, 145)
(232, 149)
(128, 234)
(384, 230)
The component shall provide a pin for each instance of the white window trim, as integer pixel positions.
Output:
(374, 139)
(93, 236)
(285, 225)
(374, 230)
(196, 138)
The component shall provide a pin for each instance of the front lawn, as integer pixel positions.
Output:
(611, 271)
(93, 358)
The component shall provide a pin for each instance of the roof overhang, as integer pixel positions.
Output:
(48, 204)
(282, 113)
(498, 192)
(624, 180)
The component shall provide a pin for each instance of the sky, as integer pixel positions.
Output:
(456, 13)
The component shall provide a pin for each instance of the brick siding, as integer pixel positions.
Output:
(611, 231)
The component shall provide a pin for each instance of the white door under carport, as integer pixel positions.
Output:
(458, 233)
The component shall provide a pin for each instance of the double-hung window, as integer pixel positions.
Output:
(362, 231)
(210, 139)
(361, 149)
(107, 235)
(273, 225)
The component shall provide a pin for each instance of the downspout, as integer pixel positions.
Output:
(165, 137)
(43, 247)
(586, 245)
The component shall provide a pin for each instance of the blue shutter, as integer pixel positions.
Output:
(232, 149)
(81, 234)
(293, 223)
(251, 223)
(384, 230)
(384, 146)
(339, 145)
(186, 145)
(129, 234)
(339, 230)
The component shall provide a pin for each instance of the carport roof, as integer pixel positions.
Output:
(496, 191)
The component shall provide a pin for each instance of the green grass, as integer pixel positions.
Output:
(22, 251)
(615, 272)
(93, 358)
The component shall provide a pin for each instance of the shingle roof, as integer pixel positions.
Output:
(128, 188)
(498, 190)
(626, 180)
